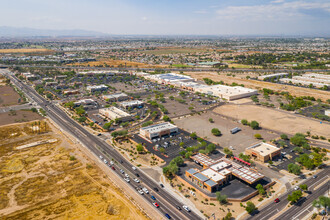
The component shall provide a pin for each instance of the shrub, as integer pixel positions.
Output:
(254, 125)
(216, 132)
(258, 136)
(244, 122)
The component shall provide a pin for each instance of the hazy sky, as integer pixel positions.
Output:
(201, 17)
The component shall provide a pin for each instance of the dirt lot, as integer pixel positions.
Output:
(27, 50)
(116, 63)
(8, 96)
(241, 140)
(18, 116)
(54, 181)
(275, 120)
(293, 90)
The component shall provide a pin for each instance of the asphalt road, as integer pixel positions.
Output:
(197, 69)
(166, 201)
(274, 208)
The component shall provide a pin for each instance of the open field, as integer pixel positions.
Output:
(275, 120)
(55, 181)
(18, 116)
(175, 50)
(116, 63)
(27, 50)
(293, 90)
(8, 96)
(243, 66)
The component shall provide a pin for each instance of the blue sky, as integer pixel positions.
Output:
(184, 17)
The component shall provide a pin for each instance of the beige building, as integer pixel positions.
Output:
(115, 113)
(263, 151)
(158, 130)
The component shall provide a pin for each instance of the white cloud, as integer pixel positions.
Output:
(277, 1)
(144, 18)
(279, 11)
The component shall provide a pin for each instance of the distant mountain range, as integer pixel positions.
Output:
(6, 31)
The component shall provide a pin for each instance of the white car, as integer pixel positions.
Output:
(105, 161)
(134, 168)
(186, 208)
(111, 162)
(126, 175)
(127, 180)
(296, 187)
(101, 157)
(136, 180)
(141, 192)
(145, 190)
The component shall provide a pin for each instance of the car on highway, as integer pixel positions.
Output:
(137, 175)
(122, 171)
(315, 176)
(111, 162)
(156, 204)
(161, 185)
(145, 190)
(136, 180)
(101, 157)
(153, 198)
(134, 168)
(167, 216)
(127, 180)
(178, 207)
(156, 189)
(277, 200)
(113, 168)
(126, 175)
(105, 161)
(186, 208)
(140, 191)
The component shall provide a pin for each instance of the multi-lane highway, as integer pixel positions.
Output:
(167, 203)
(272, 209)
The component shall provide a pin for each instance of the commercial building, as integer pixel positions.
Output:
(327, 112)
(216, 173)
(97, 88)
(115, 113)
(227, 92)
(29, 76)
(85, 102)
(317, 80)
(131, 104)
(70, 92)
(169, 78)
(51, 84)
(263, 151)
(271, 76)
(117, 97)
(158, 130)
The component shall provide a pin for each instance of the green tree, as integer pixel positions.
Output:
(82, 119)
(284, 136)
(34, 110)
(322, 202)
(216, 132)
(244, 122)
(250, 207)
(188, 155)
(210, 148)
(294, 168)
(211, 120)
(260, 189)
(227, 151)
(221, 198)
(181, 144)
(166, 118)
(193, 135)
(254, 125)
(295, 196)
(107, 125)
(178, 161)
(228, 216)
(69, 105)
(258, 136)
(298, 139)
(80, 111)
(298, 150)
(304, 187)
(139, 148)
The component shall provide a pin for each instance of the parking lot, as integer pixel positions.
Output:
(171, 144)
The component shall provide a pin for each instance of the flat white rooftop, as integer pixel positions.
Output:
(116, 111)
(215, 176)
(116, 95)
(133, 102)
(264, 149)
(159, 127)
(219, 166)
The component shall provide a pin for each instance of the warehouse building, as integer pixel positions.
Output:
(131, 104)
(85, 102)
(227, 92)
(97, 88)
(114, 113)
(218, 172)
(263, 151)
(158, 130)
(117, 97)
(169, 78)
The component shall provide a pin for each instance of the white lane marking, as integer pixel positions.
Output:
(318, 181)
(301, 212)
(269, 214)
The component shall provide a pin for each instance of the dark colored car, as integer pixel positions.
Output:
(277, 200)
(178, 207)
(153, 198)
(167, 216)
(113, 168)
(161, 185)
(156, 189)
(137, 175)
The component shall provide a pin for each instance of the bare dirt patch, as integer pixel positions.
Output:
(55, 181)
(8, 96)
(18, 116)
(117, 63)
(275, 120)
(26, 50)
